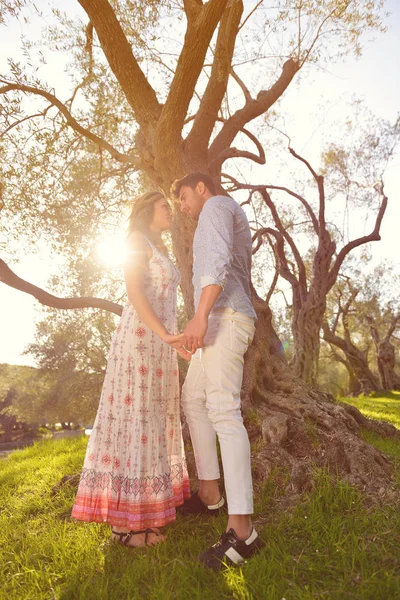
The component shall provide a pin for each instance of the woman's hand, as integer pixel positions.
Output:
(176, 341)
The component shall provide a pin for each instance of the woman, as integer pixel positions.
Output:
(135, 474)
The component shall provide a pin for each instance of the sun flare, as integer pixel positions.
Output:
(111, 250)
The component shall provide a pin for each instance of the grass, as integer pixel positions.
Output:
(378, 406)
(333, 545)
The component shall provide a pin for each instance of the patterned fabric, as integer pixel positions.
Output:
(222, 254)
(134, 473)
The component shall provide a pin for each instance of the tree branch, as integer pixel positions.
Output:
(3, 133)
(241, 84)
(72, 122)
(192, 8)
(8, 277)
(279, 251)
(374, 236)
(190, 63)
(118, 52)
(253, 108)
(199, 136)
(321, 191)
(273, 285)
(216, 164)
(253, 10)
(302, 281)
(244, 186)
(392, 327)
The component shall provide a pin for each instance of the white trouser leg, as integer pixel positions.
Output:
(201, 430)
(227, 339)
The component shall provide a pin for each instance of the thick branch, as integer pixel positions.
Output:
(244, 186)
(192, 8)
(253, 108)
(273, 285)
(72, 122)
(8, 277)
(392, 327)
(345, 315)
(374, 236)
(373, 330)
(216, 164)
(304, 202)
(206, 117)
(118, 52)
(299, 261)
(191, 60)
(321, 190)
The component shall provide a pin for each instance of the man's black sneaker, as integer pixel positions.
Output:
(195, 506)
(229, 550)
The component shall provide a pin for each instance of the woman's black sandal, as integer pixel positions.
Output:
(129, 534)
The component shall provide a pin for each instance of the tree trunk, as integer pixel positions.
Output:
(306, 326)
(354, 386)
(357, 359)
(385, 353)
(292, 425)
(7, 420)
(309, 306)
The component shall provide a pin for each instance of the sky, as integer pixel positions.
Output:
(375, 77)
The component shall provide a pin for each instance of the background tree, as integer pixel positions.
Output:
(173, 123)
(361, 323)
(347, 179)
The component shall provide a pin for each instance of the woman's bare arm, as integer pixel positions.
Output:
(139, 253)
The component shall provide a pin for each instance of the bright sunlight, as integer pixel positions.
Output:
(111, 250)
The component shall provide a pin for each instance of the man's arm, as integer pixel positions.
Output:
(217, 243)
(196, 329)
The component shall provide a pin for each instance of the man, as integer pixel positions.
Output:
(218, 336)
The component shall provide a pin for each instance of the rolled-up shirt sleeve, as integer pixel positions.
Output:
(215, 243)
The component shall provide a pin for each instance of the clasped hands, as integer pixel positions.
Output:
(191, 339)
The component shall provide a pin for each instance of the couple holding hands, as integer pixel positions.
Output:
(134, 475)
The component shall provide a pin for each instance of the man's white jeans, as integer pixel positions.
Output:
(211, 403)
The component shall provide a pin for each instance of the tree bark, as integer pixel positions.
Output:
(386, 356)
(357, 359)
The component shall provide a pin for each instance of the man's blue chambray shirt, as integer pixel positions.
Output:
(222, 254)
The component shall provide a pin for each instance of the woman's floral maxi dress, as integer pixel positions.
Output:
(134, 473)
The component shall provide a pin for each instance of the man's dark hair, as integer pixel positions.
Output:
(191, 181)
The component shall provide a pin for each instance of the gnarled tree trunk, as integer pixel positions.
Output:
(386, 356)
(357, 360)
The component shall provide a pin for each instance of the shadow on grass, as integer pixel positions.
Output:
(382, 394)
(168, 571)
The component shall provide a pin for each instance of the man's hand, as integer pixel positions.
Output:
(184, 353)
(194, 333)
